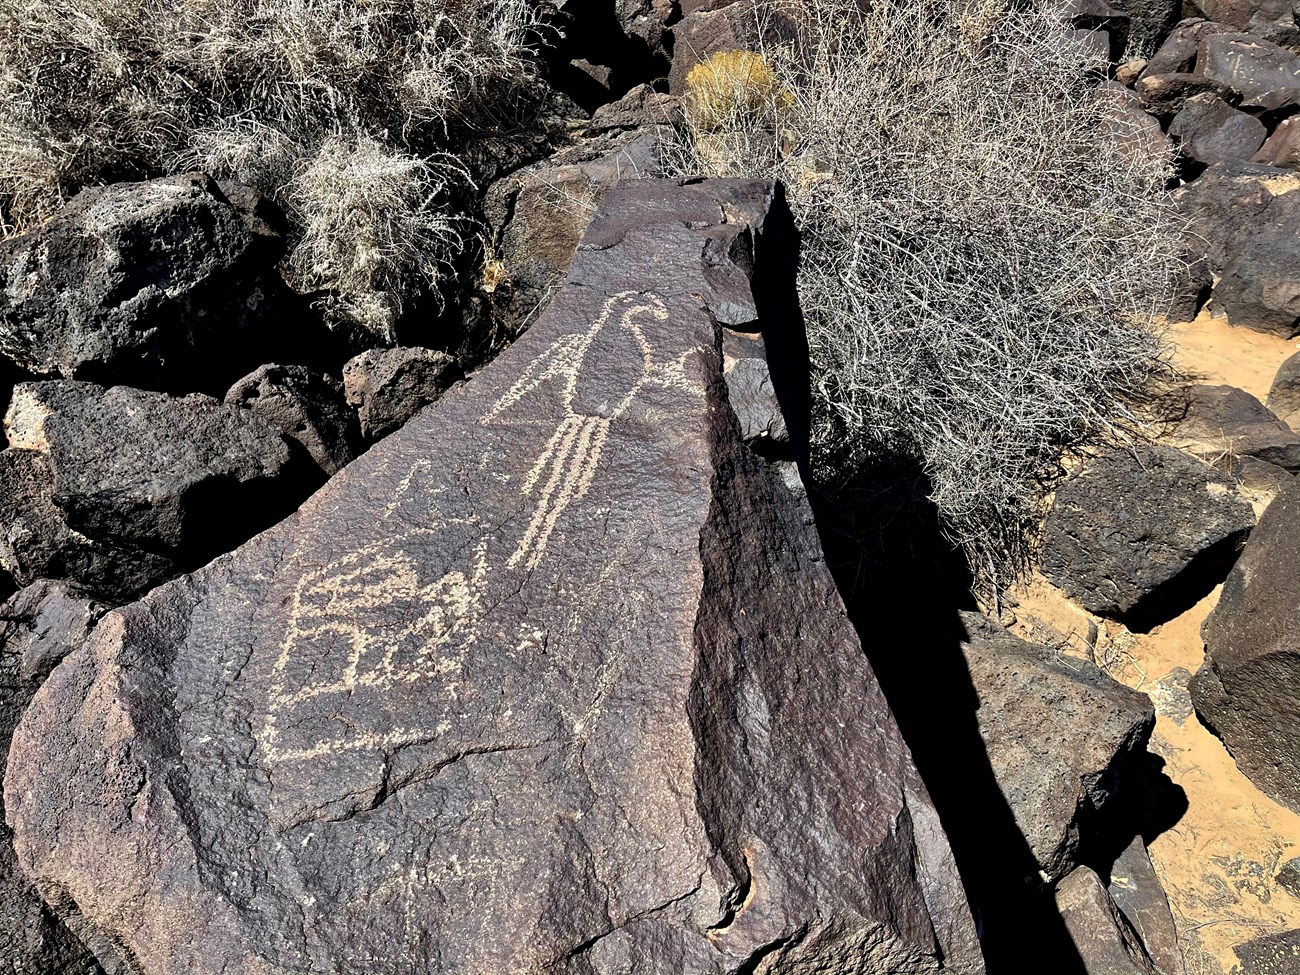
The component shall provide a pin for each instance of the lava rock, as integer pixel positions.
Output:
(1245, 691)
(641, 107)
(1136, 534)
(38, 627)
(389, 386)
(1274, 20)
(1106, 943)
(560, 660)
(716, 28)
(1177, 55)
(159, 283)
(1284, 394)
(183, 478)
(1149, 20)
(1270, 954)
(1289, 876)
(1228, 427)
(1165, 95)
(1264, 75)
(538, 214)
(1138, 134)
(1243, 218)
(1136, 891)
(37, 542)
(1209, 130)
(1059, 734)
(307, 407)
(1282, 148)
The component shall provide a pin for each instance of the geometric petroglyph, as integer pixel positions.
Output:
(364, 624)
(594, 391)
(375, 620)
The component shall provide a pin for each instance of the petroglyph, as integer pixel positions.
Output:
(593, 394)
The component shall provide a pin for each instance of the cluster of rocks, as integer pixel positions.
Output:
(1222, 89)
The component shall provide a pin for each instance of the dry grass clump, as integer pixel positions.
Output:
(980, 263)
(338, 109)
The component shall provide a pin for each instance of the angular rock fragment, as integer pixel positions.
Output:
(1106, 943)
(1136, 891)
(554, 679)
(1209, 130)
(1245, 691)
(1243, 218)
(38, 627)
(1136, 535)
(1149, 20)
(1274, 20)
(122, 471)
(1165, 95)
(1282, 148)
(389, 386)
(1236, 433)
(1284, 394)
(159, 283)
(1059, 734)
(306, 406)
(1263, 75)
(1270, 954)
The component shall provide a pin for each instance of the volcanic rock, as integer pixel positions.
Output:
(1274, 20)
(1282, 148)
(552, 679)
(389, 386)
(1135, 534)
(181, 478)
(1270, 954)
(1264, 75)
(1245, 691)
(1209, 130)
(38, 627)
(1135, 888)
(306, 406)
(1106, 943)
(1236, 433)
(1243, 218)
(1059, 734)
(158, 283)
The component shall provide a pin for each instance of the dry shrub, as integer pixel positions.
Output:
(332, 107)
(980, 265)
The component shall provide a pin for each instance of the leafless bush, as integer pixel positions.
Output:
(981, 263)
(326, 105)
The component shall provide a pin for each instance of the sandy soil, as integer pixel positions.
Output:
(1219, 861)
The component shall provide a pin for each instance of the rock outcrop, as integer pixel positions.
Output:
(128, 486)
(554, 679)
(1245, 691)
(1059, 736)
(159, 284)
(38, 627)
(1136, 890)
(1136, 535)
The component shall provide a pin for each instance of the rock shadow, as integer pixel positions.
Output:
(904, 586)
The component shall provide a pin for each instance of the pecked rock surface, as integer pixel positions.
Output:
(554, 679)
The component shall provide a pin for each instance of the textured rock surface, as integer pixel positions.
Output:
(1136, 891)
(599, 710)
(1282, 148)
(127, 471)
(1246, 690)
(1225, 425)
(1059, 734)
(306, 406)
(1284, 394)
(1134, 535)
(1273, 954)
(1263, 75)
(389, 386)
(1210, 130)
(1243, 218)
(151, 283)
(38, 627)
(1107, 945)
(1272, 19)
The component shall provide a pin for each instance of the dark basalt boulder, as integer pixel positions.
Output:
(1140, 535)
(1246, 690)
(1263, 75)
(128, 471)
(160, 283)
(1282, 148)
(39, 626)
(1165, 95)
(1105, 941)
(305, 406)
(1274, 20)
(1236, 433)
(1149, 20)
(553, 679)
(1284, 394)
(389, 386)
(1243, 218)
(1136, 891)
(1209, 130)
(1059, 734)
(1270, 954)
